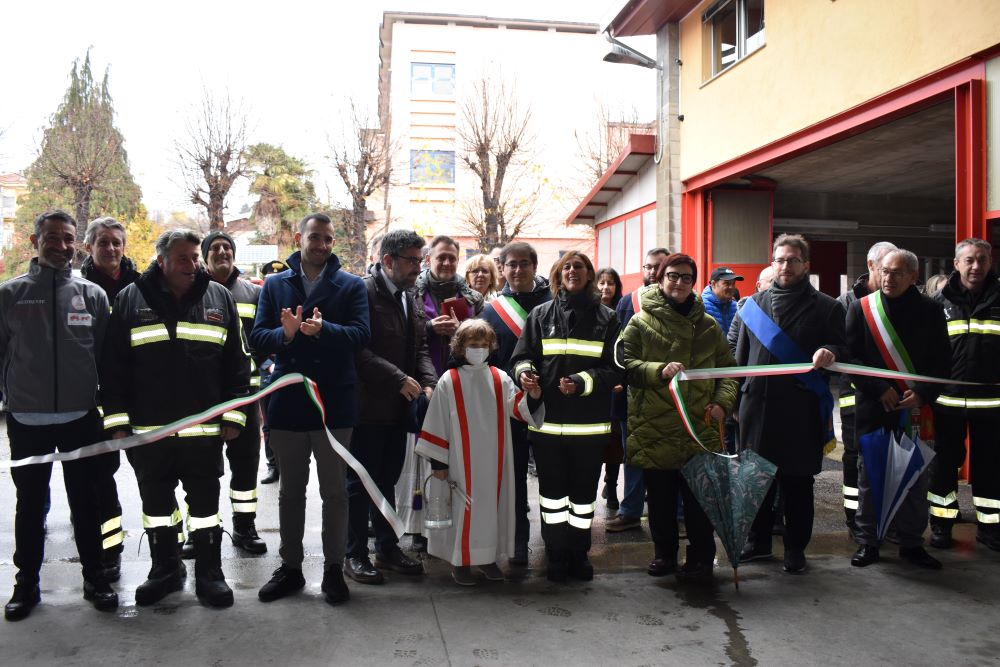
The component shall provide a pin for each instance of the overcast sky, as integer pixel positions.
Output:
(291, 63)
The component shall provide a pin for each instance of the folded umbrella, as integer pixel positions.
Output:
(893, 463)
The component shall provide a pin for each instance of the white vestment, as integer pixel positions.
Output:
(467, 427)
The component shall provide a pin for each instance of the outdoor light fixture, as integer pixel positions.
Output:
(624, 54)
(816, 224)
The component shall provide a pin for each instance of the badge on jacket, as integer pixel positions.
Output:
(78, 319)
(146, 315)
(214, 315)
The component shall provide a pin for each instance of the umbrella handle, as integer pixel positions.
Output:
(722, 432)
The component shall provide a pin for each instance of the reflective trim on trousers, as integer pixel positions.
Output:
(111, 524)
(553, 503)
(943, 513)
(983, 517)
(587, 508)
(950, 499)
(573, 429)
(202, 522)
(580, 522)
(555, 517)
(979, 501)
(113, 541)
(173, 519)
(245, 508)
(850, 504)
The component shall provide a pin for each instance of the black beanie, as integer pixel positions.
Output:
(211, 236)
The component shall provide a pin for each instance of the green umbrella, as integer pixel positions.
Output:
(730, 490)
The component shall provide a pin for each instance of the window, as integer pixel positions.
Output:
(618, 247)
(432, 166)
(735, 29)
(603, 247)
(9, 202)
(648, 231)
(435, 79)
(633, 246)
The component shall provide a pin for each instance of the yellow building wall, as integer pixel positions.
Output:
(820, 58)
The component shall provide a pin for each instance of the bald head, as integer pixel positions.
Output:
(765, 278)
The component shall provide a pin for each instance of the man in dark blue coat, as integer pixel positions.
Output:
(718, 296)
(314, 318)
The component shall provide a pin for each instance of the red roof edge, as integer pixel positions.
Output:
(638, 144)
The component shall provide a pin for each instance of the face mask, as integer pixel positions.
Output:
(476, 355)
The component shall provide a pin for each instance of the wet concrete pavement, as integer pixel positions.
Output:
(889, 613)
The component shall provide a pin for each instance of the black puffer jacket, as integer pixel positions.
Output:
(127, 275)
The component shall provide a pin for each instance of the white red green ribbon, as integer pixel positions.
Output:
(888, 342)
(149, 437)
(511, 312)
(782, 369)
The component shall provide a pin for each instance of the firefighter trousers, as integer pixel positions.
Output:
(569, 469)
(983, 428)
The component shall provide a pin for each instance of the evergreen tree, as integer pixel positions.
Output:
(285, 193)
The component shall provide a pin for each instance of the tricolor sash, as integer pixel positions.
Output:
(787, 351)
(890, 345)
(511, 312)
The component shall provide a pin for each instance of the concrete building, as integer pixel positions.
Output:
(847, 121)
(429, 65)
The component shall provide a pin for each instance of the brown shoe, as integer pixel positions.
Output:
(622, 523)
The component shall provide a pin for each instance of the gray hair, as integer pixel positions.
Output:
(880, 250)
(978, 243)
(398, 240)
(171, 236)
(107, 222)
(912, 263)
(794, 241)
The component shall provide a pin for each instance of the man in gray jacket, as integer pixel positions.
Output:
(51, 328)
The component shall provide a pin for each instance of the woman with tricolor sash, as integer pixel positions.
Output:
(568, 343)
(671, 334)
(898, 328)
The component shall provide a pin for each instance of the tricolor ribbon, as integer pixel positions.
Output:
(782, 369)
(149, 437)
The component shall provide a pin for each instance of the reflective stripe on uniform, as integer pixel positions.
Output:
(553, 503)
(846, 401)
(202, 522)
(573, 429)
(255, 381)
(587, 508)
(850, 504)
(152, 333)
(950, 499)
(577, 346)
(113, 541)
(982, 327)
(580, 522)
(588, 383)
(206, 333)
(523, 367)
(244, 508)
(243, 501)
(191, 432)
(235, 416)
(850, 497)
(173, 519)
(970, 403)
(986, 502)
(555, 517)
(850, 491)
(943, 513)
(116, 420)
(247, 310)
(983, 517)
(111, 524)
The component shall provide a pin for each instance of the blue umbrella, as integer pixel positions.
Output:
(893, 463)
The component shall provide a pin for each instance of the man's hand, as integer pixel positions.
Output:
(312, 325)
(410, 389)
(715, 412)
(617, 389)
(445, 325)
(823, 358)
(291, 321)
(230, 433)
(567, 386)
(441, 474)
(672, 369)
(911, 400)
(428, 392)
(889, 400)
(529, 383)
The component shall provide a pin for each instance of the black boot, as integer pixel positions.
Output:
(245, 534)
(557, 566)
(187, 549)
(26, 596)
(210, 584)
(166, 575)
(111, 563)
(580, 566)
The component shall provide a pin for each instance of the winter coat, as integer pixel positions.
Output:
(658, 335)
(430, 302)
(920, 323)
(779, 416)
(127, 274)
(397, 350)
(723, 313)
(327, 358)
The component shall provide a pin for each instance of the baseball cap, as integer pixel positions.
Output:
(724, 273)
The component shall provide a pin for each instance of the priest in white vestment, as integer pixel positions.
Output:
(466, 436)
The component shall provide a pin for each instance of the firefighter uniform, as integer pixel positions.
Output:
(571, 336)
(167, 360)
(974, 332)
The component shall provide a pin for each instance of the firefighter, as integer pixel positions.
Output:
(243, 453)
(971, 301)
(175, 348)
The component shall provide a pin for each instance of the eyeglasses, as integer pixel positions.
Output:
(790, 261)
(686, 278)
(650, 267)
(513, 266)
(414, 261)
(889, 273)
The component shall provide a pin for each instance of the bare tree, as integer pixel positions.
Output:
(363, 156)
(494, 141)
(601, 146)
(211, 154)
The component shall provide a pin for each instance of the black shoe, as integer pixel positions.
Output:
(941, 536)
(187, 549)
(101, 595)
(245, 535)
(919, 557)
(795, 561)
(696, 572)
(335, 587)
(752, 551)
(865, 555)
(988, 537)
(418, 544)
(520, 557)
(661, 567)
(778, 527)
(397, 561)
(21, 603)
(558, 568)
(284, 581)
(891, 535)
(112, 566)
(271, 477)
(210, 584)
(362, 571)
(580, 567)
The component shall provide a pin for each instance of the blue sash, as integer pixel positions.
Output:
(787, 351)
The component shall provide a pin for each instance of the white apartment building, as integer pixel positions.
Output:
(429, 63)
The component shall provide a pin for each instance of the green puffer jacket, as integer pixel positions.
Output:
(654, 337)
